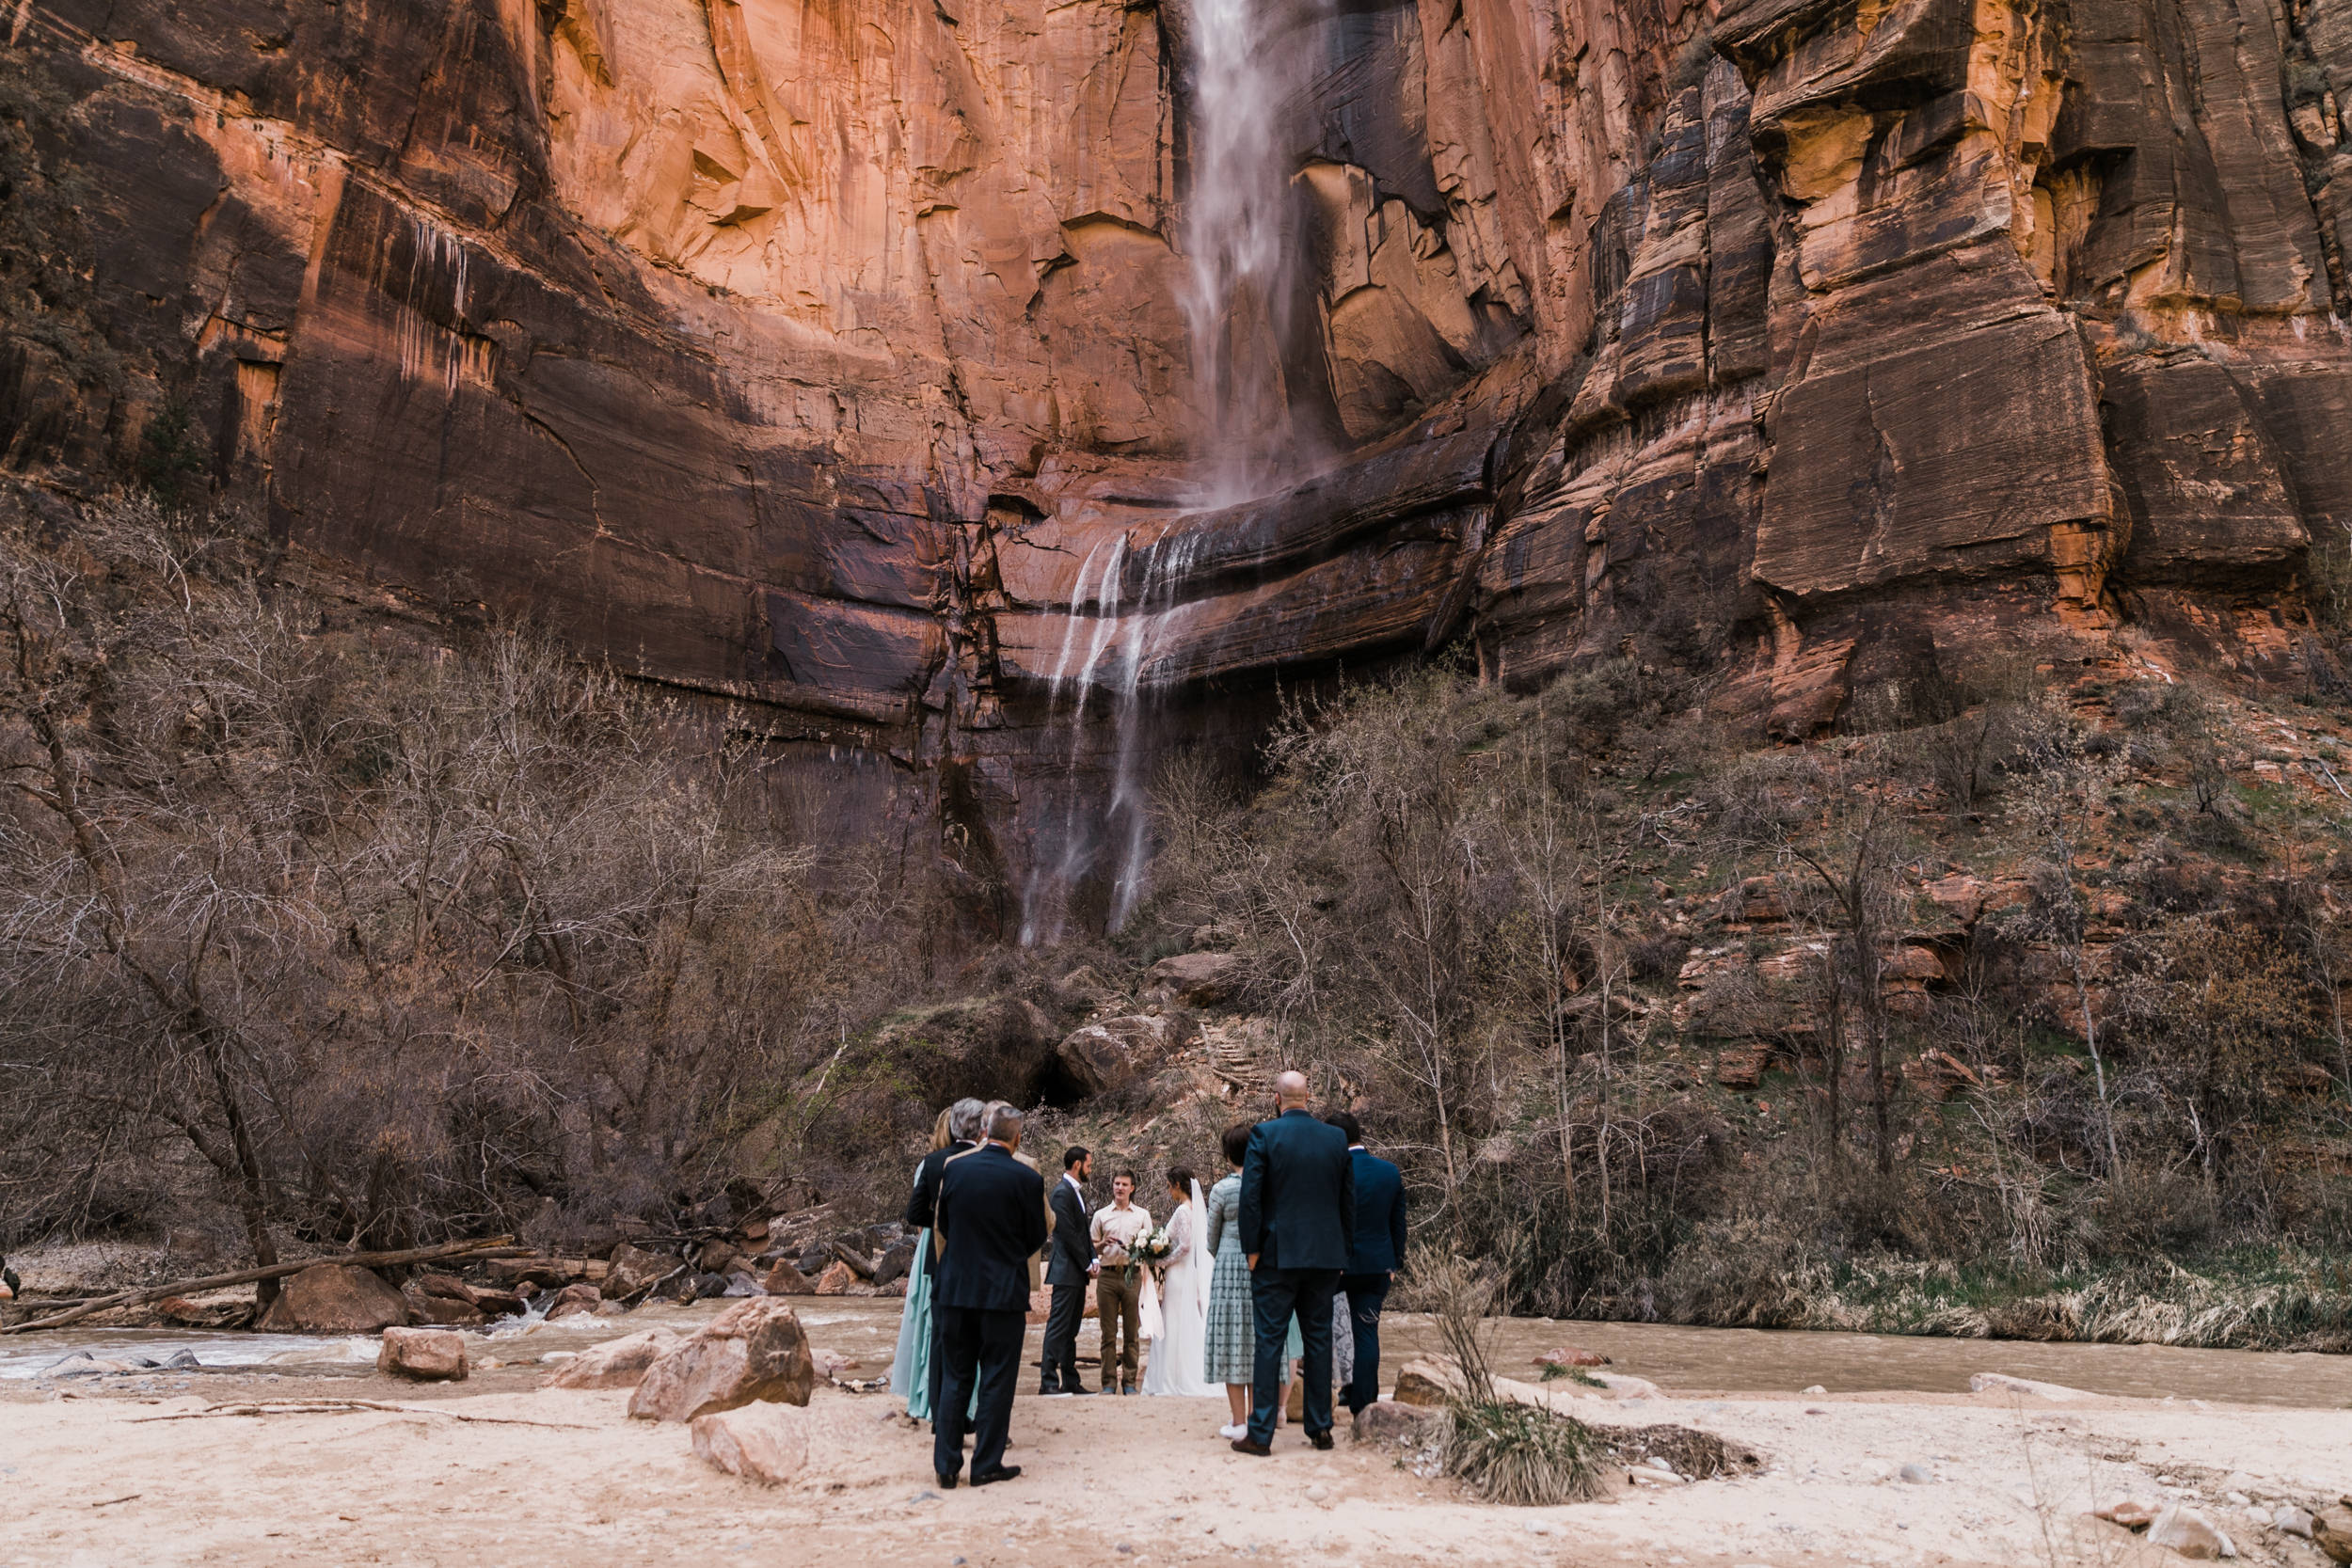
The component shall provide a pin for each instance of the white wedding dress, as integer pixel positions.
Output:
(1176, 1316)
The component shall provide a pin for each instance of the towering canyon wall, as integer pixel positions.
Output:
(829, 356)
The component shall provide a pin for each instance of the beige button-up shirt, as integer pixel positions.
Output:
(1114, 1230)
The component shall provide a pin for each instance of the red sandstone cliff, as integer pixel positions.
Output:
(814, 354)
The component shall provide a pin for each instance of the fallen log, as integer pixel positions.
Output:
(493, 1247)
(862, 1267)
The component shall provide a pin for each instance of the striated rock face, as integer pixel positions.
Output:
(834, 358)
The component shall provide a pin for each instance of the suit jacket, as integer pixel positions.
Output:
(1298, 1195)
(962, 1150)
(993, 1214)
(1379, 1215)
(923, 1208)
(1073, 1250)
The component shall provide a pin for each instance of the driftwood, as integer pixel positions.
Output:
(495, 1246)
(862, 1267)
(349, 1407)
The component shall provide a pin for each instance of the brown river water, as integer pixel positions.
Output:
(1693, 1360)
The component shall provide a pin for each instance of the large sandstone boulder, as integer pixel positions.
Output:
(1096, 1058)
(334, 1298)
(754, 1351)
(634, 1269)
(1196, 979)
(620, 1363)
(423, 1354)
(446, 1311)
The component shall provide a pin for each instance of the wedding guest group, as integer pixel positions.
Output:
(1238, 1287)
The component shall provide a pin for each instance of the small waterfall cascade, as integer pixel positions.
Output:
(1108, 638)
(1127, 597)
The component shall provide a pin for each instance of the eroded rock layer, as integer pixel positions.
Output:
(832, 358)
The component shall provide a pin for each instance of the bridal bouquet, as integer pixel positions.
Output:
(1153, 1246)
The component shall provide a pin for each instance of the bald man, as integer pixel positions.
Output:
(1297, 1226)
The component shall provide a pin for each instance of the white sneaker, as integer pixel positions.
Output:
(1231, 1431)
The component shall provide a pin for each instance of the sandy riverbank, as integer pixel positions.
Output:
(89, 1476)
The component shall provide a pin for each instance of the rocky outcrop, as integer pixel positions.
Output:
(835, 363)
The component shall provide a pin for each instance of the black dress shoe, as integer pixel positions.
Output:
(1320, 1439)
(946, 1479)
(1002, 1472)
(1244, 1445)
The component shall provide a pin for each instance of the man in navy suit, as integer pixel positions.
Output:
(1371, 1261)
(1297, 1224)
(992, 1211)
(1067, 1269)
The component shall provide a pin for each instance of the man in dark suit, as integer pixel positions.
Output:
(1067, 1269)
(1371, 1261)
(992, 1211)
(1297, 1224)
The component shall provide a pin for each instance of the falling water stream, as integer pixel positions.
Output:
(1126, 599)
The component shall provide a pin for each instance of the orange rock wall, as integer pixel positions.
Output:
(810, 354)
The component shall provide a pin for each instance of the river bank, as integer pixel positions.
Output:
(106, 1469)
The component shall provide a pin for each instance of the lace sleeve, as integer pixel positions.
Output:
(1178, 1235)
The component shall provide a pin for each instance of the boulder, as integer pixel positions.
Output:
(765, 1443)
(713, 1258)
(897, 1258)
(1196, 979)
(1112, 1052)
(615, 1364)
(2191, 1533)
(2331, 1531)
(334, 1298)
(783, 1279)
(634, 1269)
(575, 1299)
(990, 1048)
(442, 1311)
(1388, 1422)
(753, 1351)
(1424, 1383)
(1571, 1356)
(423, 1354)
(837, 1279)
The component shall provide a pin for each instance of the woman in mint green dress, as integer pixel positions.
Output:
(911, 1369)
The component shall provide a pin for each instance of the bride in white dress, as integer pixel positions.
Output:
(1176, 1320)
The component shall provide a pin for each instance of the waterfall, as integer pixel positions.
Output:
(1233, 237)
(1244, 82)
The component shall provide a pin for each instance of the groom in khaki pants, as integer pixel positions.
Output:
(1119, 1289)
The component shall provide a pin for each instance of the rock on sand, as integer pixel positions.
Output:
(423, 1354)
(755, 1351)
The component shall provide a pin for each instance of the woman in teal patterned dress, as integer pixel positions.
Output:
(1231, 1354)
